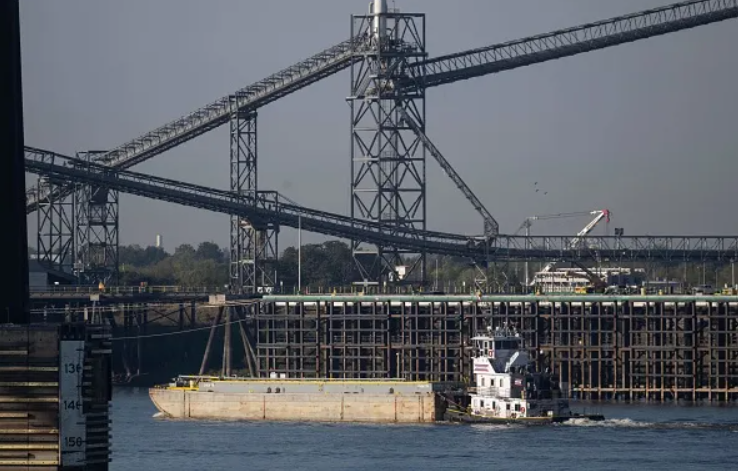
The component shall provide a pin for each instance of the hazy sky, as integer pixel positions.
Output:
(646, 129)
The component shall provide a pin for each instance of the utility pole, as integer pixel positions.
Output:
(14, 294)
(527, 246)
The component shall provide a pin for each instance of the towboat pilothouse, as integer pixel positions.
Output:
(508, 387)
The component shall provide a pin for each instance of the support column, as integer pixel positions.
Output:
(14, 296)
(267, 245)
(225, 370)
(55, 226)
(388, 180)
(253, 243)
(97, 221)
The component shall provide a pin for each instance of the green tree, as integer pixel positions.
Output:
(209, 251)
(185, 250)
(323, 265)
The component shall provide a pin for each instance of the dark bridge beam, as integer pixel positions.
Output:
(14, 296)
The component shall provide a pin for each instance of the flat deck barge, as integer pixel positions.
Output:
(316, 400)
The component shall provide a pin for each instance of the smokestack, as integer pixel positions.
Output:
(14, 295)
(158, 241)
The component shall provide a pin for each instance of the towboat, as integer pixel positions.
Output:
(508, 387)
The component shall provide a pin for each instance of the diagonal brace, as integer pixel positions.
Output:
(491, 228)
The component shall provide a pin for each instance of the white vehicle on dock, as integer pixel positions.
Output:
(508, 389)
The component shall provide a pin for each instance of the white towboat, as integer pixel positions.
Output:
(508, 389)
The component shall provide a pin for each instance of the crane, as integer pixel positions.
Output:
(574, 243)
(528, 222)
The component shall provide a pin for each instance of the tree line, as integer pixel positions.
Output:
(330, 265)
(324, 266)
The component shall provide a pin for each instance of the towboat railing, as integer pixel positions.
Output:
(493, 391)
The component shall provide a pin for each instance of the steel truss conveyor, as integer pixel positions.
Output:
(572, 41)
(211, 116)
(268, 208)
(430, 73)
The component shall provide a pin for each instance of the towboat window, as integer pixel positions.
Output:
(506, 344)
(517, 407)
(492, 382)
(481, 403)
(482, 381)
(507, 406)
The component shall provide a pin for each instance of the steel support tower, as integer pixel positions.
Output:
(388, 180)
(253, 244)
(267, 243)
(97, 221)
(55, 221)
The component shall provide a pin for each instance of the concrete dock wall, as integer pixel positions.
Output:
(417, 408)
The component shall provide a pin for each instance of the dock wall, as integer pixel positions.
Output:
(628, 348)
(419, 408)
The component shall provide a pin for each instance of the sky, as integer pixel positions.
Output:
(646, 130)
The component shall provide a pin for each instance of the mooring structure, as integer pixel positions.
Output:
(601, 347)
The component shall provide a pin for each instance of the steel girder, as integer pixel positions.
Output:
(278, 85)
(388, 178)
(571, 41)
(490, 226)
(662, 249)
(254, 248)
(55, 222)
(425, 73)
(97, 224)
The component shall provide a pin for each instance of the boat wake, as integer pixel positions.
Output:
(630, 423)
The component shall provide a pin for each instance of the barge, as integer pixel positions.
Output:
(303, 400)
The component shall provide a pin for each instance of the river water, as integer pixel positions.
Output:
(652, 437)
